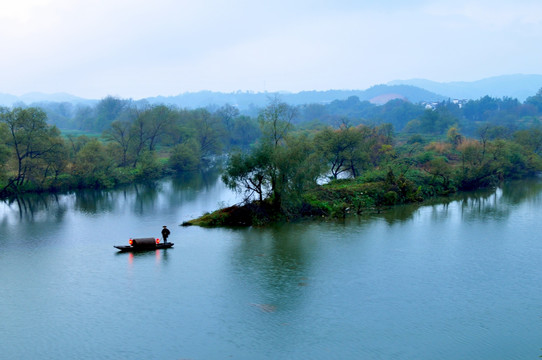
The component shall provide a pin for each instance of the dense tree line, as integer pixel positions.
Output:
(422, 118)
(434, 118)
(137, 143)
(368, 166)
(286, 149)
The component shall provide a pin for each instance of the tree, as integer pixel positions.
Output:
(439, 168)
(157, 121)
(185, 156)
(275, 167)
(121, 134)
(341, 149)
(5, 152)
(385, 131)
(51, 164)
(248, 173)
(454, 136)
(531, 139)
(535, 101)
(84, 117)
(208, 132)
(278, 174)
(480, 163)
(245, 131)
(93, 165)
(108, 110)
(147, 128)
(227, 114)
(299, 166)
(276, 120)
(30, 140)
(437, 121)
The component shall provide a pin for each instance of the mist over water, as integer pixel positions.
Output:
(443, 281)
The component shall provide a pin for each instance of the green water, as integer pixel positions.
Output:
(461, 280)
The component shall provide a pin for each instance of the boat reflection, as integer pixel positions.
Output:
(160, 256)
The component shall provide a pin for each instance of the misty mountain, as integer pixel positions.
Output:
(245, 100)
(37, 97)
(413, 90)
(8, 99)
(514, 86)
(378, 94)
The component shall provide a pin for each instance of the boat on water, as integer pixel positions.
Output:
(143, 244)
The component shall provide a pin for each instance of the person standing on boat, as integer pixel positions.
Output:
(165, 233)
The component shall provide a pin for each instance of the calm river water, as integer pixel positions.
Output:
(461, 280)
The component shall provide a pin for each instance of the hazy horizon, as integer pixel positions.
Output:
(136, 49)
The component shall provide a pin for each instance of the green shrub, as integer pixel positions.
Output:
(391, 198)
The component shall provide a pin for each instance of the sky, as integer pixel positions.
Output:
(137, 49)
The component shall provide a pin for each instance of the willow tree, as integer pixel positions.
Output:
(247, 172)
(280, 166)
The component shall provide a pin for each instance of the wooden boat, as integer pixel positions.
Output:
(144, 244)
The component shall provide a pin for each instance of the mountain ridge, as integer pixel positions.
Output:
(518, 86)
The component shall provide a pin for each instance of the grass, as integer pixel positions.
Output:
(71, 132)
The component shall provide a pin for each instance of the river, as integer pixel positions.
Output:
(460, 280)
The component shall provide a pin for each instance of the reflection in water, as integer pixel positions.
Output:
(430, 286)
(100, 201)
(480, 205)
(484, 208)
(518, 191)
(141, 198)
(196, 180)
(93, 201)
(399, 214)
(168, 194)
(146, 196)
(278, 265)
(36, 207)
(160, 256)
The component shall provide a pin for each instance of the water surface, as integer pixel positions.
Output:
(460, 280)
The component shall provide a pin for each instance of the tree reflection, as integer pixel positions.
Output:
(484, 207)
(93, 201)
(518, 191)
(195, 180)
(274, 264)
(145, 197)
(31, 207)
(399, 214)
(480, 205)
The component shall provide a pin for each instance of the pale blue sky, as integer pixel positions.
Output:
(134, 48)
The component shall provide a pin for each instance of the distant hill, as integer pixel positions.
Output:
(37, 97)
(7, 99)
(413, 90)
(515, 86)
(246, 100)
